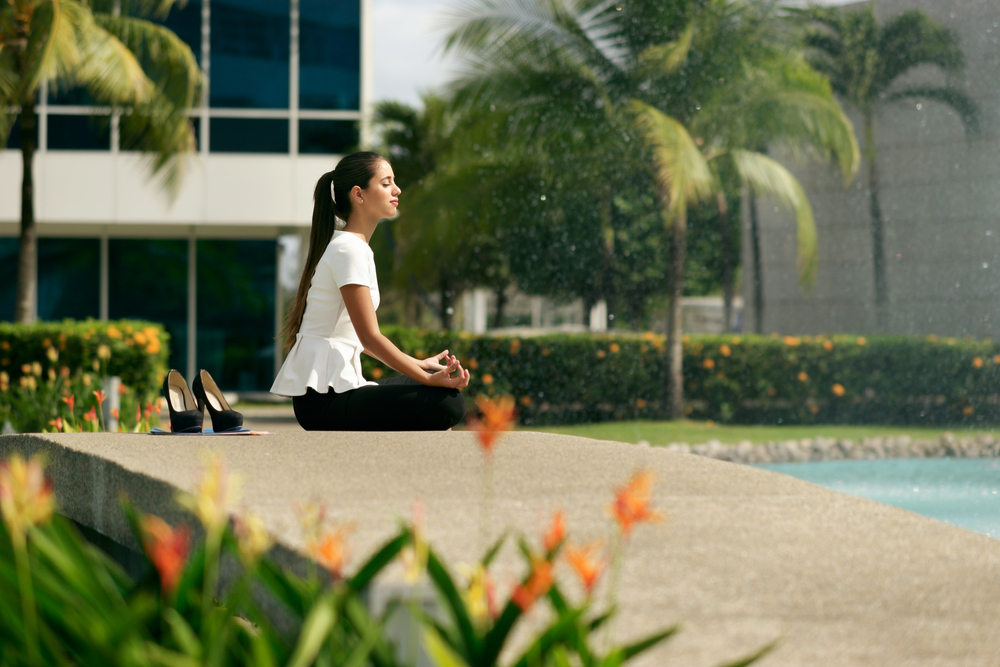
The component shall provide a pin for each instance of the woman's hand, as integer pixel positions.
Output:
(436, 363)
(444, 377)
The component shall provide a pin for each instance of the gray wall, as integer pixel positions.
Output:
(940, 199)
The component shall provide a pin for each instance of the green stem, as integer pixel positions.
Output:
(616, 576)
(27, 595)
(213, 544)
(486, 509)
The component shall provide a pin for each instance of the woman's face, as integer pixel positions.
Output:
(382, 194)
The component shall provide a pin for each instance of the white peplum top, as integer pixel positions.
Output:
(327, 350)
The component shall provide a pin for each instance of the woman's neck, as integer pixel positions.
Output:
(361, 228)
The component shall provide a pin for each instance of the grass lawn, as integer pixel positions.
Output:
(692, 432)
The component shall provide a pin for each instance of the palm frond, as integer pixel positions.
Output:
(53, 45)
(681, 170)
(766, 176)
(961, 103)
(912, 39)
(669, 57)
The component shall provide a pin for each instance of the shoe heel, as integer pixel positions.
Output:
(184, 415)
(210, 397)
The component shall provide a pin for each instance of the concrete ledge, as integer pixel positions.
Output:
(747, 556)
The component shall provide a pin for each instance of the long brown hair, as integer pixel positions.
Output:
(355, 169)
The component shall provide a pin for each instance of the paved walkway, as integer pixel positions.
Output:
(747, 555)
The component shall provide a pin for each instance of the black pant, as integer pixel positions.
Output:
(396, 404)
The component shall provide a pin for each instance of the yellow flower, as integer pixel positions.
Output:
(478, 592)
(828, 345)
(4, 381)
(862, 341)
(792, 341)
(26, 497)
(724, 350)
(487, 379)
(53, 354)
(803, 376)
(614, 348)
(312, 519)
(601, 354)
(414, 555)
(113, 332)
(649, 335)
(709, 364)
(252, 538)
(838, 389)
(216, 493)
(140, 338)
(103, 352)
(151, 332)
(36, 368)
(977, 362)
(153, 347)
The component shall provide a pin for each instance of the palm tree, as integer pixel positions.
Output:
(865, 61)
(109, 48)
(586, 73)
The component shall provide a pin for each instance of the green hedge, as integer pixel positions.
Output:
(41, 363)
(561, 379)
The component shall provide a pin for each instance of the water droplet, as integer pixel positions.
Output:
(543, 197)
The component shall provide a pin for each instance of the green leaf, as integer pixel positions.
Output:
(378, 561)
(629, 651)
(753, 657)
(314, 632)
(440, 652)
(492, 552)
(185, 637)
(563, 628)
(445, 585)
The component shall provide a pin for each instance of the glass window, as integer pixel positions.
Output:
(69, 278)
(148, 280)
(249, 135)
(14, 138)
(8, 277)
(79, 133)
(329, 54)
(250, 50)
(327, 136)
(236, 312)
(185, 22)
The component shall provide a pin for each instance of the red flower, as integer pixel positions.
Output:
(100, 396)
(331, 552)
(91, 415)
(498, 416)
(631, 504)
(70, 401)
(556, 533)
(538, 584)
(167, 548)
(583, 561)
(57, 422)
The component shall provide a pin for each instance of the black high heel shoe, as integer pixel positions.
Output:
(224, 418)
(185, 417)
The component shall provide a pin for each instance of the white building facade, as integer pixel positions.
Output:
(289, 86)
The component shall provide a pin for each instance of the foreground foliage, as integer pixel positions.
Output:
(64, 602)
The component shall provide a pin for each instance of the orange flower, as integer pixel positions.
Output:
(813, 408)
(586, 564)
(498, 416)
(601, 354)
(100, 396)
(640, 403)
(487, 379)
(792, 341)
(615, 347)
(837, 389)
(114, 412)
(556, 533)
(122, 389)
(525, 401)
(377, 373)
(709, 364)
(803, 376)
(57, 422)
(70, 401)
(631, 504)
(977, 362)
(725, 350)
(26, 497)
(967, 410)
(167, 548)
(91, 415)
(538, 584)
(331, 551)
(996, 359)
(828, 345)
(861, 340)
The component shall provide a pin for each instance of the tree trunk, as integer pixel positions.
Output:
(878, 229)
(675, 350)
(607, 277)
(726, 253)
(501, 296)
(26, 300)
(445, 304)
(758, 277)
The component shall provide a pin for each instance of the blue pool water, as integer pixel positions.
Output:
(964, 492)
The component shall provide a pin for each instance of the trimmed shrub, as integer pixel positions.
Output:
(561, 379)
(42, 363)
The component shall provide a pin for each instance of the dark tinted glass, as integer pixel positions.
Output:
(8, 277)
(249, 135)
(185, 22)
(329, 54)
(148, 280)
(14, 138)
(236, 312)
(76, 96)
(79, 133)
(69, 278)
(327, 136)
(250, 46)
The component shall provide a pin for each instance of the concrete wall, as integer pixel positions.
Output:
(940, 199)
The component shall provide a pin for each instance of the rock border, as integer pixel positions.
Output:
(834, 449)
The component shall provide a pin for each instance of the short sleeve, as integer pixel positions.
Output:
(349, 265)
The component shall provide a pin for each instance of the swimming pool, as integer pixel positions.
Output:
(963, 492)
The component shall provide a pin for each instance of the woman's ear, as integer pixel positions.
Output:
(358, 194)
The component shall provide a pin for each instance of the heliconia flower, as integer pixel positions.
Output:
(498, 416)
(53, 354)
(585, 563)
(631, 503)
(70, 401)
(90, 415)
(216, 493)
(122, 389)
(414, 556)
(480, 593)
(312, 519)
(114, 412)
(331, 551)
(538, 584)
(252, 538)
(57, 422)
(100, 396)
(26, 497)
(556, 533)
(167, 548)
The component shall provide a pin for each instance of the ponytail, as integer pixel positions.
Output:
(331, 209)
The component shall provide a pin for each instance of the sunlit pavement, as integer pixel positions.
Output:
(746, 556)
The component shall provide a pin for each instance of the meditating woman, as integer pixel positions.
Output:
(333, 321)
